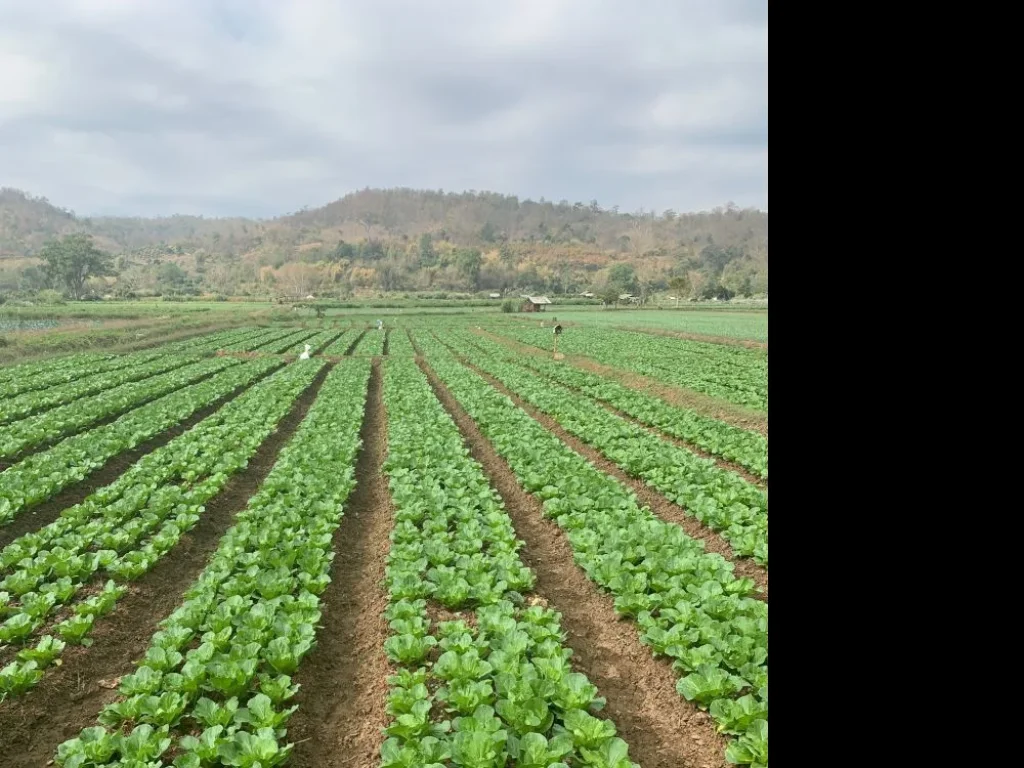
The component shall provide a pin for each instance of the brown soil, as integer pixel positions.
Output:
(735, 415)
(354, 344)
(344, 679)
(726, 340)
(662, 729)
(36, 517)
(70, 697)
(662, 507)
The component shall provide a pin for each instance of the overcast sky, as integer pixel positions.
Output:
(258, 107)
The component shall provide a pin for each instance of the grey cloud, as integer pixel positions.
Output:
(257, 113)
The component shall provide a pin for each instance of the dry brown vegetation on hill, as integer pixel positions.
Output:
(403, 240)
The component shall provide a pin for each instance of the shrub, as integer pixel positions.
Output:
(50, 297)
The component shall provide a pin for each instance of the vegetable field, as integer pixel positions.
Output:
(436, 544)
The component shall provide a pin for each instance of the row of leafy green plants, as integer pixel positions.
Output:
(52, 373)
(399, 345)
(55, 372)
(27, 371)
(733, 374)
(28, 403)
(493, 682)
(215, 684)
(745, 447)
(340, 344)
(720, 499)
(318, 342)
(688, 604)
(371, 344)
(285, 343)
(212, 341)
(128, 384)
(258, 341)
(54, 424)
(41, 476)
(50, 590)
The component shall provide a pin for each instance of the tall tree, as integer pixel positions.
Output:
(622, 277)
(468, 261)
(680, 284)
(72, 260)
(428, 256)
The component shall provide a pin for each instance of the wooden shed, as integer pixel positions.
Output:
(534, 303)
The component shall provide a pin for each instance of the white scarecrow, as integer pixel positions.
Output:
(305, 354)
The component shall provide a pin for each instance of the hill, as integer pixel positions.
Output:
(405, 240)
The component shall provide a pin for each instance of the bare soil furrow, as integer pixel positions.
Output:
(344, 679)
(662, 729)
(70, 697)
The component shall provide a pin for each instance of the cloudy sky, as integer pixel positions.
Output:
(258, 107)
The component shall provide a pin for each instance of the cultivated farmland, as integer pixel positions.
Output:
(437, 544)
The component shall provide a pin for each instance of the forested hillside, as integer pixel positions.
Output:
(401, 240)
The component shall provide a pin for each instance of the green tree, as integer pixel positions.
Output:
(507, 254)
(428, 256)
(72, 260)
(610, 295)
(622, 277)
(344, 252)
(171, 278)
(372, 250)
(468, 261)
(680, 284)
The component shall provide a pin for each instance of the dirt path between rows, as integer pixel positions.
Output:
(45, 513)
(70, 697)
(344, 679)
(662, 729)
(728, 413)
(661, 506)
